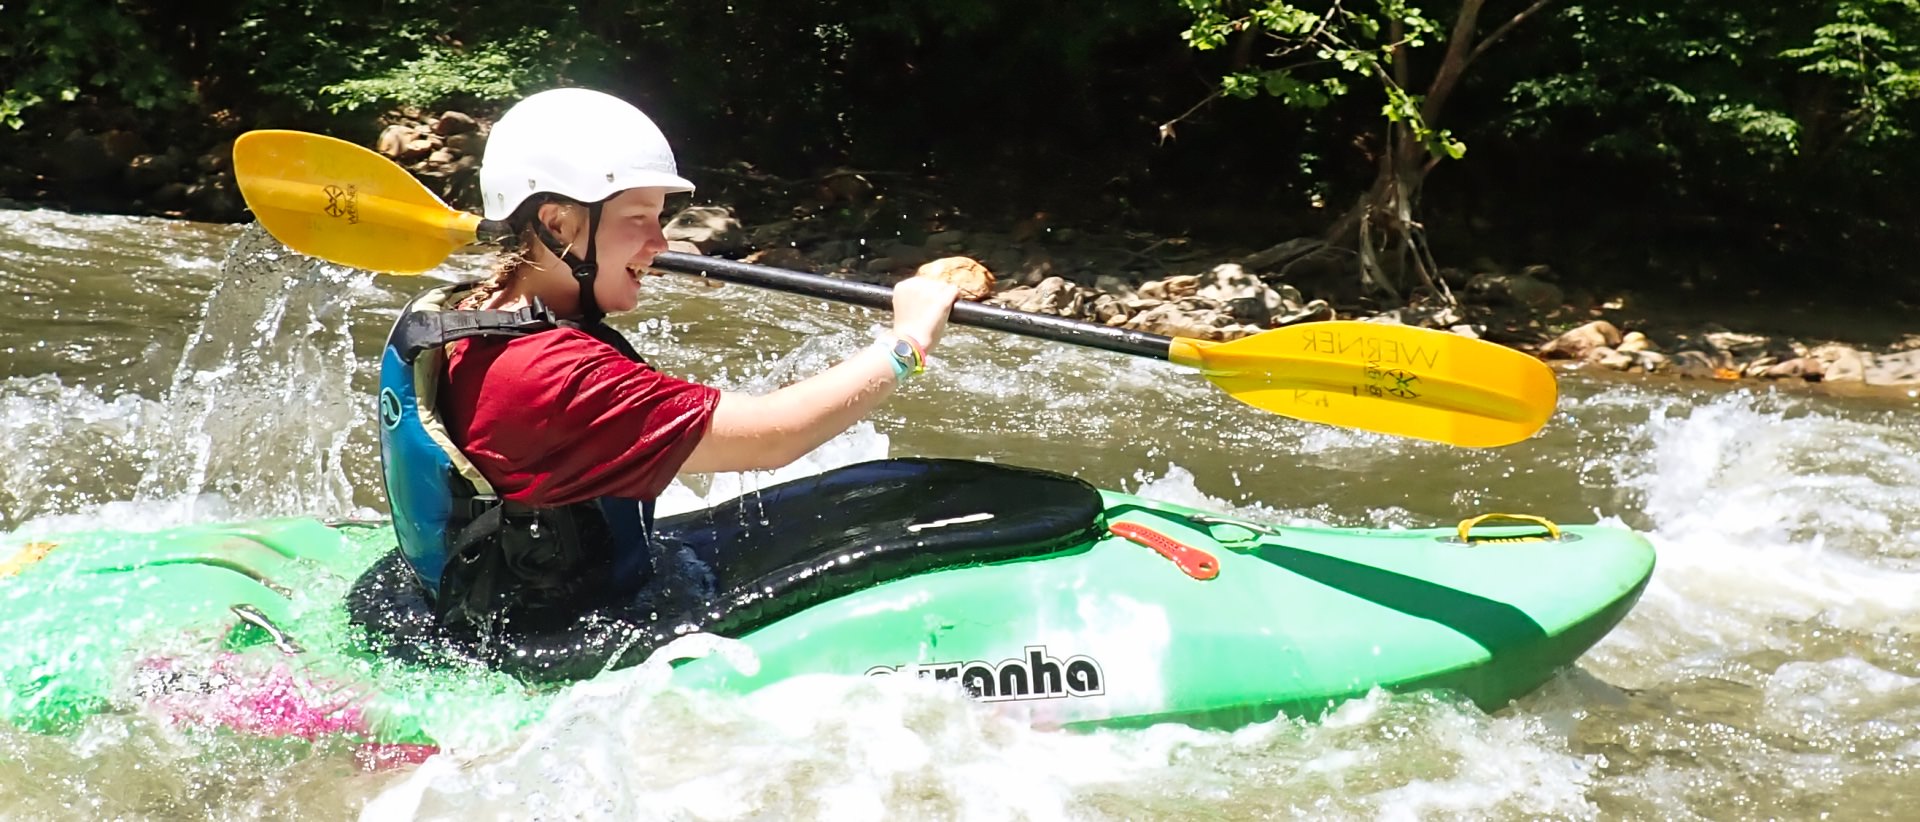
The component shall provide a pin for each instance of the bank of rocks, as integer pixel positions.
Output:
(1078, 281)
(442, 150)
(98, 160)
(1201, 297)
(118, 168)
(1718, 353)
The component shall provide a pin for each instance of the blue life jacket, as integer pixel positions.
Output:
(479, 559)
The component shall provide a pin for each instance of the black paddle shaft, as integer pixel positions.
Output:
(1046, 327)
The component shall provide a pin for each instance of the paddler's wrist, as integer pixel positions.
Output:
(904, 352)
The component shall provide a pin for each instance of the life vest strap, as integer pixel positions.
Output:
(419, 331)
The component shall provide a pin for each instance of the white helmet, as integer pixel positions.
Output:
(577, 143)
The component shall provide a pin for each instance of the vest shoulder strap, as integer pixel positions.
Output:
(419, 331)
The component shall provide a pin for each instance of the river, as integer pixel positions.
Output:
(156, 372)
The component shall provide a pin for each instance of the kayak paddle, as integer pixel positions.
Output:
(347, 204)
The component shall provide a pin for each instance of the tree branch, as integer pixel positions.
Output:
(1451, 67)
(1166, 129)
(1506, 27)
(1459, 56)
(1312, 38)
(1398, 31)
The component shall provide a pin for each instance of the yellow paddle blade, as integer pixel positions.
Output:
(1390, 379)
(343, 203)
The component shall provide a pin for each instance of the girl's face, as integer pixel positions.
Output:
(630, 235)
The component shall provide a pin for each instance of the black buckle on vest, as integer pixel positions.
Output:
(470, 508)
(477, 505)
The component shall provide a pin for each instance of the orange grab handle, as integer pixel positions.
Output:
(1195, 562)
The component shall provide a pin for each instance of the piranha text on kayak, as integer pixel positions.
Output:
(1038, 676)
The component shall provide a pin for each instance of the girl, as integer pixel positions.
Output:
(524, 441)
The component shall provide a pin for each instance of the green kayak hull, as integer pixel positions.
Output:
(1165, 614)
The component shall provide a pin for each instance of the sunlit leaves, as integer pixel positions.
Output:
(152, 55)
(1761, 125)
(1870, 48)
(57, 49)
(1282, 20)
(1404, 109)
(1770, 80)
(494, 71)
(1301, 93)
(1313, 52)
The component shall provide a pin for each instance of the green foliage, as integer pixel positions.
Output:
(297, 55)
(1404, 109)
(1870, 50)
(1775, 81)
(1785, 129)
(344, 56)
(1318, 53)
(489, 73)
(61, 49)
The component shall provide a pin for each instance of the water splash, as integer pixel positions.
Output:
(58, 442)
(1770, 663)
(1768, 511)
(262, 405)
(858, 749)
(256, 420)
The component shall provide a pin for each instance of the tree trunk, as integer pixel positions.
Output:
(1380, 226)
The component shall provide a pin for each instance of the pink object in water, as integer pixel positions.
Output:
(272, 703)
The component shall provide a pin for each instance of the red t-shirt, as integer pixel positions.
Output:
(560, 417)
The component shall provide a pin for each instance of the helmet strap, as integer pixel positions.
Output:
(584, 267)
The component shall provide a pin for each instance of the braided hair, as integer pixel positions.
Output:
(512, 255)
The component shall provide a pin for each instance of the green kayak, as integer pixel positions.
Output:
(1035, 592)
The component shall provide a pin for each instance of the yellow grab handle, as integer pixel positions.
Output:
(1466, 525)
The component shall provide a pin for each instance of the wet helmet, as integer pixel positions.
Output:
(581, 145)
